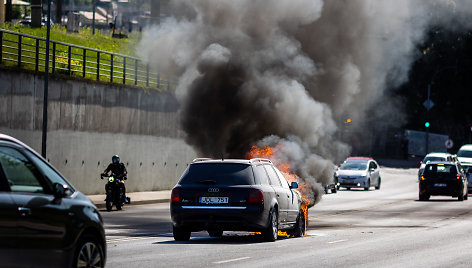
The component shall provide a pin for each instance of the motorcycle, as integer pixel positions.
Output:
(115, 192)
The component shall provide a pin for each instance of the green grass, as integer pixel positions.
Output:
(100, 40)
(85, 38)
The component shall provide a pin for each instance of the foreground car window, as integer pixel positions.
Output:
(48, 172)
(19, 172)
(224, 174)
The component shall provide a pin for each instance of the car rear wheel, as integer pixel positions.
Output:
(89, 253)
(334, 190)
(299, 229)
(424, 197)
(378, 185)
(271, 232)
(460, 197)
(466, 196)
(181, 234)
(215, 233)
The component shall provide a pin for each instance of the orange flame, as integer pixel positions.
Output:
(269, 152)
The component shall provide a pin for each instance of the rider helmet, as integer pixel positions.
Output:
(115, 159)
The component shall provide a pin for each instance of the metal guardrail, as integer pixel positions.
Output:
(29, 52)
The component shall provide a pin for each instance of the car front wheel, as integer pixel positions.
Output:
(367, 186)
(299, 229)
(378, 185)
(89, 253)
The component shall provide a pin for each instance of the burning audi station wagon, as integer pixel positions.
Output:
(235, 195)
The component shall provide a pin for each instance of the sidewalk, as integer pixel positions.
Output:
(137, 198)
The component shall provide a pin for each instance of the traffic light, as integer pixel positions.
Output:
(426, 124)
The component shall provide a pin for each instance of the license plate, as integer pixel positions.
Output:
(213, 200)
(440, 185)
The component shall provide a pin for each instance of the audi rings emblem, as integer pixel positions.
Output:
(213, 190)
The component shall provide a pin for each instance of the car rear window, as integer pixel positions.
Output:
(464, 153)
(441, 170)
(217, 173)
(433, 158)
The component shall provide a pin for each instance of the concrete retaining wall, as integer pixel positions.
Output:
(88, 122)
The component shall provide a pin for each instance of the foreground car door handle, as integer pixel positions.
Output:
(24, 211)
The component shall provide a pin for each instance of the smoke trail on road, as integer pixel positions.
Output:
(288, 72)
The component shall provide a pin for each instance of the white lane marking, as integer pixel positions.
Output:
(337, 241)
(226, 261)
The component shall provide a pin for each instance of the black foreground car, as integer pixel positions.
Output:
(235, 195)
(44, 221)
(443, 178)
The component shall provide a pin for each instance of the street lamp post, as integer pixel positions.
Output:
(46, 86)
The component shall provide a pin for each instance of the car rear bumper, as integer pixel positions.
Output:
(448, 190)
(197, 218)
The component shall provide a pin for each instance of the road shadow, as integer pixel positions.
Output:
(235, 238)
(453, 199)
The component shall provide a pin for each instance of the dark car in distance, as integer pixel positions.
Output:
(443, 178)
(235, 195)
(44, 221)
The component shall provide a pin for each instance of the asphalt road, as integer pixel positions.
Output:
(377, 228)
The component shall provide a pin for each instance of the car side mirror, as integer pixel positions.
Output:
(294, 185)
(60, 190)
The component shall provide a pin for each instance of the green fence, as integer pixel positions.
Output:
(29, 52)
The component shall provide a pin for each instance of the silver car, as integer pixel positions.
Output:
(358, 172)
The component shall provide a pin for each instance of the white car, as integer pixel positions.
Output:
(465, 153)
(434, 157)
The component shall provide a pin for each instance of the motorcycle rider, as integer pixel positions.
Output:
(119, 170)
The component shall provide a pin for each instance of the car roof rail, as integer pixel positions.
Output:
(200, 159)
(260, 160)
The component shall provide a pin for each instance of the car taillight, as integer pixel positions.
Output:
(175, 196)
(423, 178)
(256, 196)
(458, 176)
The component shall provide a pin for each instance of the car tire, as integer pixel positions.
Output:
(466, 196)
(299, 229)
(424, 197)
(181, 234)
(326, 189)
(378, 184)
(334, 190)
(460, 197)
(368, 186)
(88, 253)
(270, 233)
(215, 233)
(118, 206)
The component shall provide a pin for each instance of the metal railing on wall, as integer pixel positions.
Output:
(29, 52)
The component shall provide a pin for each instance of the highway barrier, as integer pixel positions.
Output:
(29, 52)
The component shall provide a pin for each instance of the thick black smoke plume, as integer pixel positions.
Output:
(285, 72)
